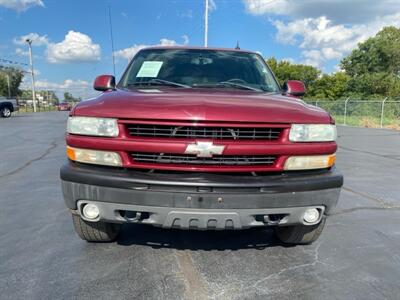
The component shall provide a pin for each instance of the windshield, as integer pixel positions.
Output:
(187, 68)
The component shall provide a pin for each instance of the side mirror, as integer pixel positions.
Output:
(104, 83)
(294, 88)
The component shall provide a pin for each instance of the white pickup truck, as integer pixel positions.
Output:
(7, 106)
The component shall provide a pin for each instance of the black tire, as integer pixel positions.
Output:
(300, 234)
(5, 112)
(95, 231)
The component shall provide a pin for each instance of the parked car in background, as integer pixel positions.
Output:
(64, 106)
(8, 106)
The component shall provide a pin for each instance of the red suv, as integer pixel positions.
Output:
(200, 138)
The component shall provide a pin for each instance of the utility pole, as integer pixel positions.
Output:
(206, 25)
(29, 41)
(8, 85)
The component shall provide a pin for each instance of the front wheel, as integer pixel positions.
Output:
(300, 234)
(95, 231)
(5, 112)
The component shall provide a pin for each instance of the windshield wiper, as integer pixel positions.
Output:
(239, 86)
(157, 81)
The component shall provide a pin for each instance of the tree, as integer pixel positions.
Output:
(375, 85)
(69, 98)
(334, 86)
(15, 77)
(52, 96)
(374, 67)
(378, 54)
(284, 70)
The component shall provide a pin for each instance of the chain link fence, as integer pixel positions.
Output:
(381, 113)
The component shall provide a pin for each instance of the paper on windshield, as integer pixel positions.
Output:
(150, 69)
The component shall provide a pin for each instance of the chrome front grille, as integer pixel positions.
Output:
(186, 159)
(194, 132)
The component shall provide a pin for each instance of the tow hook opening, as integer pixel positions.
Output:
(133, 216)
(272, 219)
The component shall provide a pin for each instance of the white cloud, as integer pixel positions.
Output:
(312, 57)
(129, 53)
(322, 40)
(330, 53)
(167, 42)
(185, 39)
(37, 40)
(78, 87)
(326, 30)
(20, 5)
(211, 5)
(339, 11)
(68, 84)
(76, 47)
(319, 32)
(261, 7)
(21, 52)
(187, 14)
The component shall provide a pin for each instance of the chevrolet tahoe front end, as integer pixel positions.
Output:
(197, 138)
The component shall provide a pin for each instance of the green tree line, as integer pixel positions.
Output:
(371, 71)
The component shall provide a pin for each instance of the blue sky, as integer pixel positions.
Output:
(72, 38)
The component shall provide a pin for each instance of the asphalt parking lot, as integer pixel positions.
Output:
(41, 257)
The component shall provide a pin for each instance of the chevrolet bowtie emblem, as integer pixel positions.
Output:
(204, 149)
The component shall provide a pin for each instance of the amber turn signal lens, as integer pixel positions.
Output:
(310, 162)
(331, 160)
(71, 153)
(97, 157)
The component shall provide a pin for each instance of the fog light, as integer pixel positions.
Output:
(311, 215)
(90, 211)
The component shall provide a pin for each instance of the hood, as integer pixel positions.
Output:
(201, 105)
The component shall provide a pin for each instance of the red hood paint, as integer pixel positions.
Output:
(201, 105)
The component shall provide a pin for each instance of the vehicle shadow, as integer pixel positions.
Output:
(255, 238)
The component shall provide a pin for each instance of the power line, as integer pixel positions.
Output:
(12, 62)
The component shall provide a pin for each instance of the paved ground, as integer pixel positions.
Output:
(357, 257)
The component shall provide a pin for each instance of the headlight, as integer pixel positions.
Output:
(92, 126)
(312, 133)
(309, 162)
(106, 158)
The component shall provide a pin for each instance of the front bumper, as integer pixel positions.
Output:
(202, 201)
